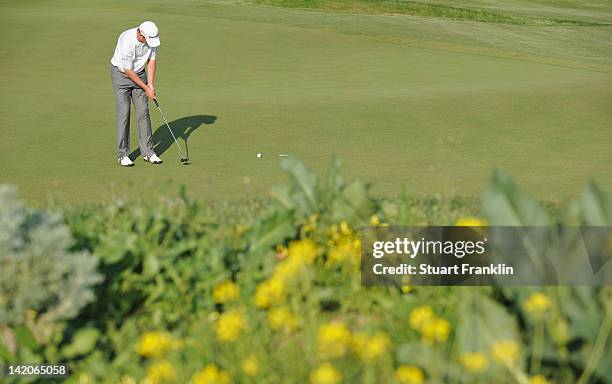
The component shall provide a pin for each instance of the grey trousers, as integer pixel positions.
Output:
(125, 91)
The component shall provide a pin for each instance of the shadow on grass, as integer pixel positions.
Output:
(182, 128)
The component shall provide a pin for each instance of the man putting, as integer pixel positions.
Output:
(136, 48)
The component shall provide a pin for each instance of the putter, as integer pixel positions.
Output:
(184, 160)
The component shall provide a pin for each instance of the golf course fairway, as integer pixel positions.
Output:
(426, 105)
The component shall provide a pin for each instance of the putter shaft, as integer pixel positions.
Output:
(183, 158)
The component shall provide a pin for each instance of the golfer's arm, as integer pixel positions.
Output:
(134, 77)
(151, 72)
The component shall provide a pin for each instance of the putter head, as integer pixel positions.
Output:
(184, 161)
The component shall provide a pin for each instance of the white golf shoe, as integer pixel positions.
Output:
(153, 159)
(125, 161)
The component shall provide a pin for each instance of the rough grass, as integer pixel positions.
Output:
(420, 9)
(424, 210)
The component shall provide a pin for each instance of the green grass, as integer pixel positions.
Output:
(598, 11)
(426, 105)
(416, 8)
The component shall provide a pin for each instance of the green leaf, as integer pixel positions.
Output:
(82, 343)
(96, 364)
(596, 206)
(25, 337)
(570, 213)
(405, 216)
(580, 306)
(5, 354)
(115, 244)
(356, 194)
(272, 231)
(303, 180)
(504, 203)
(390, 209)
(334, 179)
(416, 353)
(352, 203)
(150, 265)
(282, 194)
(481, 322)
(25, 354)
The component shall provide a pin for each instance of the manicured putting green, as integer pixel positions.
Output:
(429, 106)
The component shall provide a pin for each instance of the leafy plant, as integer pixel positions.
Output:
(269, 291)
(580, 318)
(43, 282)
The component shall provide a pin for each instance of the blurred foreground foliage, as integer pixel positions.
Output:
(269, 291)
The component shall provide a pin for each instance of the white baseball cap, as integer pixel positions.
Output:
(150, 32)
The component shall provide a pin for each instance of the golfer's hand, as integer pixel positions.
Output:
(150, 92)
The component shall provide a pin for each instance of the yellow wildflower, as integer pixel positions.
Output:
(160, 372)
(345, 229)
(559, 331)
(408, 374)
(470, 222)
(538, 379)
(474, 362)
(368, 348)
(311, 225)
(155, 344)
(421, 315)
(505, 351)
(225, 292)
(325, 374)
(435, 330)
(229, 325)
(250, 365)
(281, 252)
(333, 232)
(305, 250)
(270, 292)
(300, 253)
(374, 220)
(357, 250)
(282, 318)
(359, 341)
(211, 374)
(537, 304)
(287, 269)
(344, 245)
(333, 339)
(406, 287)
(346, 248)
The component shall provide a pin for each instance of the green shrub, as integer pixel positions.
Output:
(42, 282)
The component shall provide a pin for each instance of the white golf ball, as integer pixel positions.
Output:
(259, 155)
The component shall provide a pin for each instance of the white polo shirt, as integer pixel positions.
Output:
(131, 53)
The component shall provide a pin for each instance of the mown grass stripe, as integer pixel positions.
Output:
(414, 8)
